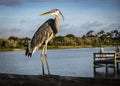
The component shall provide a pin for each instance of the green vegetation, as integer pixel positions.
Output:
(90, 39)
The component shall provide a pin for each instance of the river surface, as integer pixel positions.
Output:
(64, 62)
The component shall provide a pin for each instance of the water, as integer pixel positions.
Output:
(64, 62)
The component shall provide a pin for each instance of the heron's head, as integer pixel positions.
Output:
(53, 12)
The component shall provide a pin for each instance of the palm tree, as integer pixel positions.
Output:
(71, 37)
(89, 33)
(116, 33)
(100, 35)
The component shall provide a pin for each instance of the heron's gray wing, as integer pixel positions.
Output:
(42, 34)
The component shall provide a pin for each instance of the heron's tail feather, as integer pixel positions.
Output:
(28, 50)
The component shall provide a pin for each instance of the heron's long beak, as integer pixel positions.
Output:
(51, 13)
(46, 14)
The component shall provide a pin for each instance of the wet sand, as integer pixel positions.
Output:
(54, 80)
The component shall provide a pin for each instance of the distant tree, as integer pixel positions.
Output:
(100, 33)
(116, 32)
(26, 39)
(106, 38)
(89, 33)
(101, 36)
(23, 41)
(13, 38)
(58, 40)
(70, 35)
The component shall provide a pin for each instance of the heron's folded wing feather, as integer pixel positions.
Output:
(41, 35)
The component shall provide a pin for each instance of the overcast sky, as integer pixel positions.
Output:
(21, 17)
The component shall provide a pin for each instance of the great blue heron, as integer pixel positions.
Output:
(43, 35)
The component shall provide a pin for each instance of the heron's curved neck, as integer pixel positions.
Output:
(57, 19)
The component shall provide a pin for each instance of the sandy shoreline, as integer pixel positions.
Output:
(54, 80)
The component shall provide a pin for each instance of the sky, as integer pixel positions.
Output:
(21, 17)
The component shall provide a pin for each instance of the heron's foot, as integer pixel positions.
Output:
(43, 75)
(49, 74)
(46, 75)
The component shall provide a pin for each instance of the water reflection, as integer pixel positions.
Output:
(106, 73)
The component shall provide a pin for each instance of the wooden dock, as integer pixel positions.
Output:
(107, 60)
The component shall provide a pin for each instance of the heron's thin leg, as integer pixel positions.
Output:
(42, 61)
(43, 51)
(46, 59)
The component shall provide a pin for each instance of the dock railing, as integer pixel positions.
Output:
(106, 59)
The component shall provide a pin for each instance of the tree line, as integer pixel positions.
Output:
(89, 39)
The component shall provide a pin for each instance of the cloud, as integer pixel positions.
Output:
(64, 29)
(84, 28)
(19, 2)
(15, 30)
(11, 2)
(22, 22)
(112, 27)
(97, 27)
(80, 30)
(6, 32)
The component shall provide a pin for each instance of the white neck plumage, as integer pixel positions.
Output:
(57, 19)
